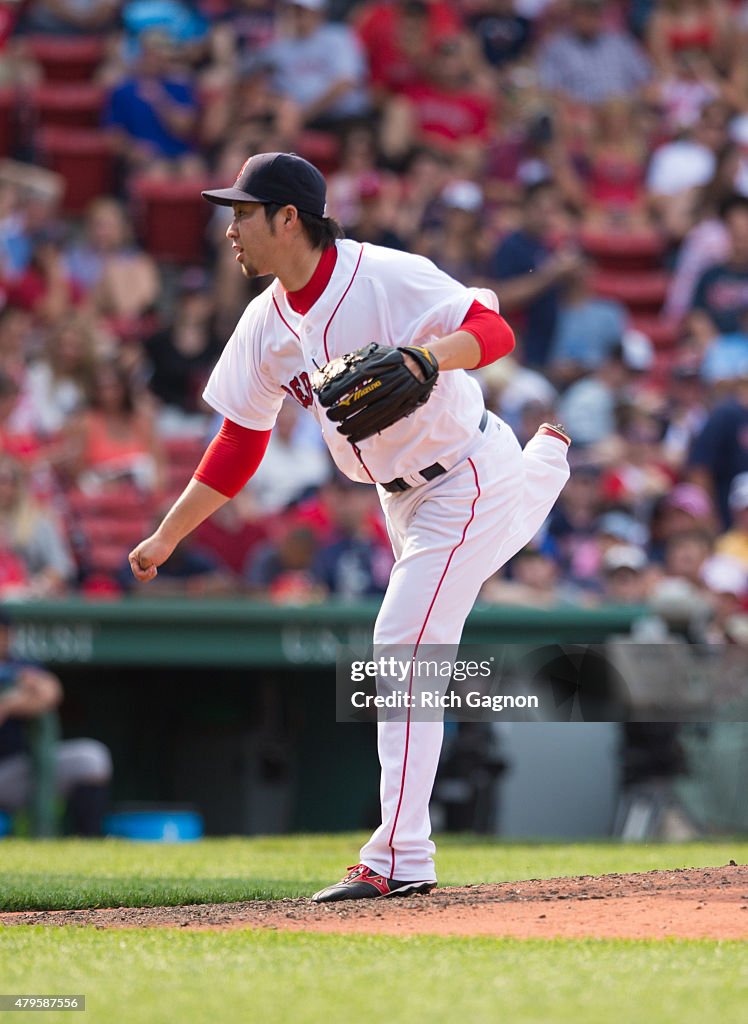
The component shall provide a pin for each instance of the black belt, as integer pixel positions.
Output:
(430, 472)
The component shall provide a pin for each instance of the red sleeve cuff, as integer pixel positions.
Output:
(491, 331)
(232, 457)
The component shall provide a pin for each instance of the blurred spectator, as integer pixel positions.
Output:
(587, 63)
(534, 582)
(181, 21)
(685, 410)
(232, 533)
(697, 28)
(587, 328)
(283, 569)
(119, 279)
(240, 29)
(720, 302)
(400, 38)
(82, 767)
(614, 169)
(17, 68)
(295, 463)
(19, 435)
(318, 65)
(589, 407)
(682, 93)
(29, 202)
(707, 241)
(720, 451)
(182, 354)
(354, 562)
(17, 341)
(725, 580)
(71, 17)
(682, 167)
(459, 245)
(31, 533)
(685, 555)
(58, 383)
(374, 215)
(113, 441)
(152, 115)
(448, 109)
(356, 168)
(734, 542)
(508, 389)
(503, 32)
(44, 287)
(529, 276)
(248, 111)
(638, 475)
(624, 576)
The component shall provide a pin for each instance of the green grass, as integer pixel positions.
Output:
(59, 874)
(148, 977)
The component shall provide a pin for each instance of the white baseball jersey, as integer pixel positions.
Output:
(448, 534)
(374, 294)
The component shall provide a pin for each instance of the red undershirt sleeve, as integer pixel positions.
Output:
(231, 458)
(491, 331)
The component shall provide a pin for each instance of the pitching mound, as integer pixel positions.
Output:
(687, 903)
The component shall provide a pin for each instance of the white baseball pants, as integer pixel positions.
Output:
(448, 537)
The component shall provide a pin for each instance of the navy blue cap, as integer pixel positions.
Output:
(284, 178)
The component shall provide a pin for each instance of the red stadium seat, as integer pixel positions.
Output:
(662, 333)
(641, 292)
(67, 59)
(172, 218)
(85, 159)
(8, 122)
(615, 251)
(75, 106)
(320, 148)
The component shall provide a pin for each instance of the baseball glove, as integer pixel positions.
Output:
(368, 390)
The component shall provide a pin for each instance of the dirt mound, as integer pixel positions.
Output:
(685, 903)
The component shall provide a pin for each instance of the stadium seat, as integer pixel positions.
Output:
(75, 106)
(662, 333)
(616, 251)
(642, 292)
(65, 59)
(85, 159)
(8, 122)
(320, 148)
(172, 218)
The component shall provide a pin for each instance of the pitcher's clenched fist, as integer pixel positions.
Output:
(147, 556)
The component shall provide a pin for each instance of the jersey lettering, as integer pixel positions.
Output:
(300, 388)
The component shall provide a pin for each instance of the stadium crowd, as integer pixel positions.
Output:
(587, 160)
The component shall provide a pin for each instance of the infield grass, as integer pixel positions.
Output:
(164, 975)
(73, 874)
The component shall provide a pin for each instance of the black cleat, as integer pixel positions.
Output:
(361, 883)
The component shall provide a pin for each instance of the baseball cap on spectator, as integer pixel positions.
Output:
(739, 129)
(738, 495)
(276, 178)
(624, 556)
(726, 359)
(370, 185)
(622, 527)
(638, 353)
(463, 195)
(692, 499)
(724, 575)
